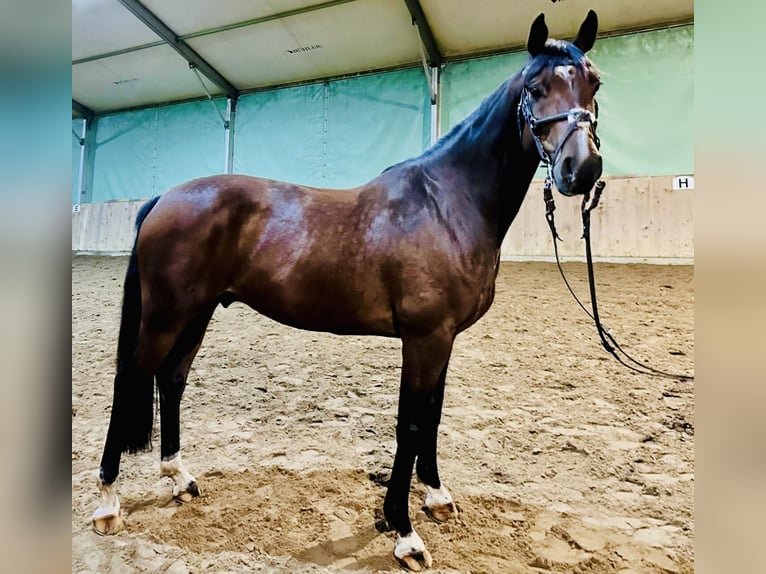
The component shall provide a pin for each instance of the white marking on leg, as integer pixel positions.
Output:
(108, 517)
(439, 503)
(173, 467)
(412, 551)
(410, 544)
(437, 496)
(110, 502)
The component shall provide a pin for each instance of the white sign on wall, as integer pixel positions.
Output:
(683, 182)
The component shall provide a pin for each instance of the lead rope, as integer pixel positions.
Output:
(589, 205)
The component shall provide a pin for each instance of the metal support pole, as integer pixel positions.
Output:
(426, 70)
(231, 110)
(431, 63)
(80, 177)
(225, 121)
(436, 97)
(87, 157)
(424, 31)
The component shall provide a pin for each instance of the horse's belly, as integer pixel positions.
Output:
(326, 305)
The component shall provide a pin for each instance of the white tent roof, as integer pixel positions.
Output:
(132, 53)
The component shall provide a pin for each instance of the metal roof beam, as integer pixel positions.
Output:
(84, 111)
(219, 29)
(119, 52)
(174, 41)
(426, 35)
(269, 18)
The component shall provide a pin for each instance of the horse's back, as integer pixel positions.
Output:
(295, 253)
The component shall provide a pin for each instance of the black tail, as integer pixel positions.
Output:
(133, 406)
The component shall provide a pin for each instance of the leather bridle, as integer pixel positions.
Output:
(576, 118)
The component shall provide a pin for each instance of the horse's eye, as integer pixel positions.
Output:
(535, 91)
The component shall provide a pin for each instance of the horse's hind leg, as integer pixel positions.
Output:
(424, 361)
(130, 421)
(439, 504)
(171, 382)
(107, 519)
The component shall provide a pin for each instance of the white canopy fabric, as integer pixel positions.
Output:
(133, 53)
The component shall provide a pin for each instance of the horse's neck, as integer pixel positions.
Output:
(486, 154)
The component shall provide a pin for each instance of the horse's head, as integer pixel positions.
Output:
(559, 107)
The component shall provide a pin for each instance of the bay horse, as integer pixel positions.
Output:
(412, 254)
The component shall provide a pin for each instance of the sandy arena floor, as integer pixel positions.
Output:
(559, 459)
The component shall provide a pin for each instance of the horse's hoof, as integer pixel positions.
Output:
(439, 505)
(441, 512)
(186, 495)
(416, 562)
(411, 553)
(108, 516)
(193, 489)
(106, 521)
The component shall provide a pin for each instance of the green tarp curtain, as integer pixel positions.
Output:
(335, 134)
(279, 134)
(342, 133)
(646, 103)
(142, 153)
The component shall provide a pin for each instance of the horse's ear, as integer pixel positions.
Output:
(538, 34)
(586, 37)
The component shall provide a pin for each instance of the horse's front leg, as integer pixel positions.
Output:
(424, 362)
(439, 504)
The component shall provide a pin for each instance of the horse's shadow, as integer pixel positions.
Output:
(332, 551)
(150, 503)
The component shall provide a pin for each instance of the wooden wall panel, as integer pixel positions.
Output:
(638, 218)
(104, 227)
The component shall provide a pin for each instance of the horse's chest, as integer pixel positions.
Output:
(483, 296)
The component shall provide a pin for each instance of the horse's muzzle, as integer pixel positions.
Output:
(578, 179)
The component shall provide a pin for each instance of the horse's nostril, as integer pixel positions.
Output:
(590, 170)
(566, 169)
